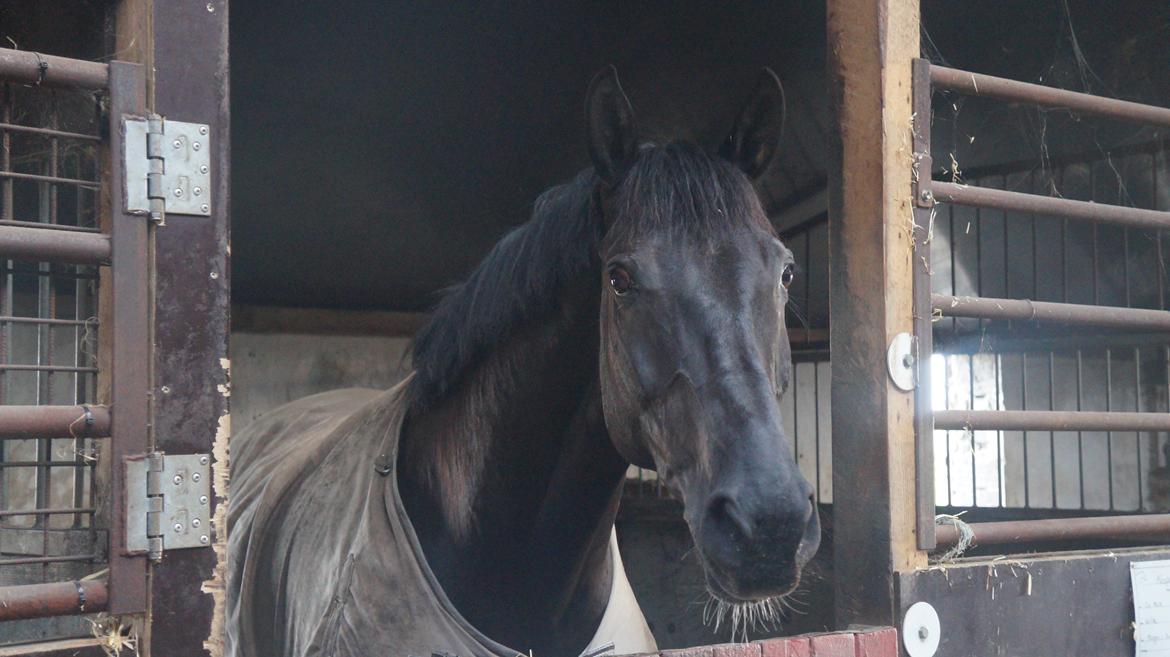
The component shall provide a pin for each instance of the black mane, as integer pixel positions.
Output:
(676, 188)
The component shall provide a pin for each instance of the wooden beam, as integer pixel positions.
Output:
(324, 321)
(871, 45)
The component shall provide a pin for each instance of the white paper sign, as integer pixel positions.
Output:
(1151, 607)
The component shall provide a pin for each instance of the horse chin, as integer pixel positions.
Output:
(735, 596)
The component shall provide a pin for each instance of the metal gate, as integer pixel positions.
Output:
(86, 504)
(1073, 601)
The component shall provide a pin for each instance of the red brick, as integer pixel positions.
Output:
(699, 651)
(773, 647)
(799, 646)
(877, 642)
(737, 650)
(832, 645)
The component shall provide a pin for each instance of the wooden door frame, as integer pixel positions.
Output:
(184, 47)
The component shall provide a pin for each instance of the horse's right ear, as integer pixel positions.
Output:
(613, 134)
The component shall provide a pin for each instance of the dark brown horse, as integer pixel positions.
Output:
(636, 318)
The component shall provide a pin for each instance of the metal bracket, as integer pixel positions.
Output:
(167, 167)
(167, 503)
(900, 361)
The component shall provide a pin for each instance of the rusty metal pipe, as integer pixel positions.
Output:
(34, 68)
(54, 422)
(1152, 527)
(56, 599)
(977, 84)
(21, 243)
(1000, 199)
(1138, 319)
(1050, 421)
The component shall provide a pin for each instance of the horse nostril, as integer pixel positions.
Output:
(724, 512)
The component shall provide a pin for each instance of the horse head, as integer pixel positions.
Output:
(694, 351)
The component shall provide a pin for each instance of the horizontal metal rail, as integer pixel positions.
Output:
(48, 132)
(57, 180)
(1050, 421)
(54, 422)
(43, 464)
(977, 84)
(56, 246)
(55, 599)
(21, 367)
(51, 321)
(1138, 319)
(34, 68)
(67, 558)
(1000, 199)
(12, 513)
(43, 226)
(1152, 527)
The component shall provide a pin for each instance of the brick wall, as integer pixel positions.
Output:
(870, 642)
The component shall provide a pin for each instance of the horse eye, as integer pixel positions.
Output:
(620, 281)
(788, 275)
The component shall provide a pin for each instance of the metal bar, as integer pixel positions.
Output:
(42, 226)
(58, 246)
(1002, 199)
(34, 68)
(922, 311)
(130, 350)
(1154, 527)
(25, 561)
(1043, 311)
(13, 513)
(48, 320)
(54, 422)
(56, 599)
(51, 464)
(962, 420)
(977, 84)
(57, 180)
(64, 134)
(46, 368)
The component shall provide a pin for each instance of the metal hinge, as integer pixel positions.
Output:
(167, 503)
(167, 167)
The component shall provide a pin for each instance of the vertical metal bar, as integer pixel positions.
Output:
(1052, 434)
(1137, 389)
(130, 342)
(1080, 436)
(925, 495)
(807, 285)
(1024, 435)
(971, 432)
(1109, 407)
(6, 195)
(999, 485)
(816, 429)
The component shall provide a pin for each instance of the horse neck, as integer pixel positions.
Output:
(512, 482)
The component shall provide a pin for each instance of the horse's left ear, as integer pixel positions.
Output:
(613, 133)
(756, 134)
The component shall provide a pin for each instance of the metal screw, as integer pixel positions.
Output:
(177, 144)
(178, 192)
(202, 460)
(166, 390)
(195, 522)
(927, 196)
(178, 528)
(202, 129)
(214, 275)
(923, 633)
(202, 168)
(195, 145)
(204, 540)
(203, 499)
(908, 361)
(198, 191)
(178, 479)
(205, 208)
(195, 476)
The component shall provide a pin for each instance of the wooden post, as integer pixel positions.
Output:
(871, 46)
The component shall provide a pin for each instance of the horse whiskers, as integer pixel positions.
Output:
(761, 615)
